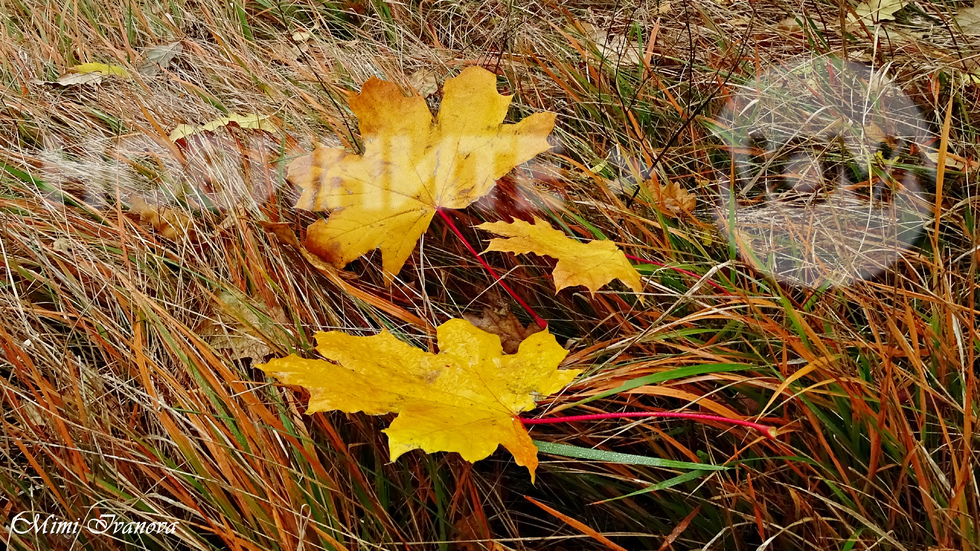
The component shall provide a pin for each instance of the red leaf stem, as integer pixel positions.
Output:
(538, 319)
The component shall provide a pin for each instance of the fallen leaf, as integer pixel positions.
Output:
(159, 58)
(790, 23)
(247, 122)
(876, 10)
(90, 73)
(968, 20)
(674, 199)
(471, 533)
(592, 264)
(465, 399)
(238, 328)
(612, 47)
(102, 68)
(424, 82)
(61, 245)
(170, 223)
(505, 325)
(411, 166)
(953, 161)
(302, 36)
(283, 231)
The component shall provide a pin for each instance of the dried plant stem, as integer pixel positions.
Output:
(678, 270)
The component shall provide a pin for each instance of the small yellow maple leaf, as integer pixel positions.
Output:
(592, 264)
(247, 122)
(465, 399)
(411, 166)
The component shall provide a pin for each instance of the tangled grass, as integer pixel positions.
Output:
(142, 280)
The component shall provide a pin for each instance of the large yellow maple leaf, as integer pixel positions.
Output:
(591, 264)
(465, 399)
(412, 166)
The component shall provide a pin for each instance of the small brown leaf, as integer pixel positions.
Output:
(238, 329)
(168, 222)
(505, 325)
(675, 200)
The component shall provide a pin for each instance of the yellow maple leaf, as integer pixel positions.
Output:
(411, 166)
(465, 399)
(592, 264)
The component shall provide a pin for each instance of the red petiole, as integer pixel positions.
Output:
(538, 319)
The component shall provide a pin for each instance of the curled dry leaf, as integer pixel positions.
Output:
(412, 166)
(675, 200)
(465, 399)
(592, 264)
